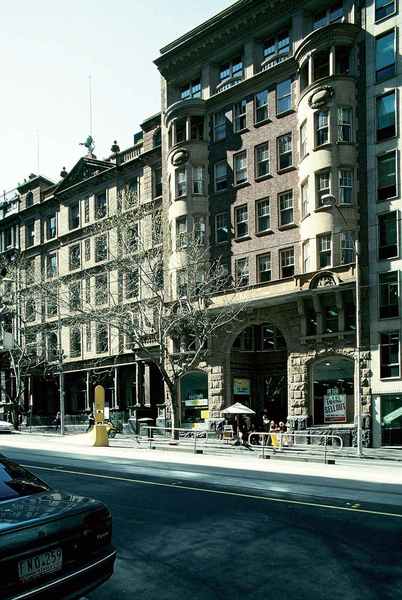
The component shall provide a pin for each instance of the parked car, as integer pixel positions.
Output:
(52, 544)
(6, 427)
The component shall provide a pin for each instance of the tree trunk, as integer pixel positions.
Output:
(174, 411)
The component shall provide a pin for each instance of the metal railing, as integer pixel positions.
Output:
(178, 437)
(301, 440)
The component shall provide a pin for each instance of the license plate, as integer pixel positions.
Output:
(41, 564)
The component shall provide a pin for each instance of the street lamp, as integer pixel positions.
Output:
(357, 387)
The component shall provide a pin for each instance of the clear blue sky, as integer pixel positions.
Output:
(48, 50)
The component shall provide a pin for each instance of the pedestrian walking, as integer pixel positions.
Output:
(91, 421)
(57, 421)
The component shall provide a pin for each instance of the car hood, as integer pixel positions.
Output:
(28, 511)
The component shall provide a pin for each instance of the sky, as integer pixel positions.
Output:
(50, 48)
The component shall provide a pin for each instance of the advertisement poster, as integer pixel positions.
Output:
(241, 387)
(334, 407)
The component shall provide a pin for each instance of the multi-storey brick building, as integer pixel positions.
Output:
(260, 146)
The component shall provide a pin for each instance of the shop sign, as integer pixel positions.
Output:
(205, 414)
(196, 402)
(241, 387)
(334, 407)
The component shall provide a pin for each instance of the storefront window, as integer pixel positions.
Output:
(194, 397)
(333, 391)
(391, 420)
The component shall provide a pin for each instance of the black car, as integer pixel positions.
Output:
(52, 544)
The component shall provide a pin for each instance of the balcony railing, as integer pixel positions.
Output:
(130, 153)
(274, 60)
(229, 82)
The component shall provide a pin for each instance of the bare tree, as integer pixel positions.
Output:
(168, 314)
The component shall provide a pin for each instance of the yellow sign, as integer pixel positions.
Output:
(99, 404)
(205, 414)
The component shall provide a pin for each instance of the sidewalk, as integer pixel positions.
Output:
(80, 444)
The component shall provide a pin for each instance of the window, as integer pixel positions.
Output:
(74, 295)
(383, 9)
(88, 290)
(321, 127)
(242, 273)
(87, 249)
(30, 271)
(197, 127)
(51, 302)
(385, 55)
(102, 338)
(8, 238)
(334, 14)
(306, 257)
(30, 234)
(342, 60)
(321, 64)
(264, 268)
(88, 337)
(231, 69)
(389, 295)
(74, 215)
(219, 126)
(181, 283)
(241, 220)
(132, 284)
(101, 248)
(221, 176)
(101, 287)
(101, 205)
(304, 199)
(29, 199)
(261, 106)
(181, 233)
(287, 262)
(386, 176)
(324, 250)
(157, 181)
(86, 210)
(345, 186)
(75, 342)
(52, 346)
(344, 124)
(275, 46)
(347, 247)
(285, 208)
(389, 355)
(285, 158)
(263, 215)
(303, 140)
(330, 319)
(240, 167)
(239, 116)
(386, 116)
(51, 227)
(221, 228)
(181, 182)
(262, 166)
(199, 229)
(388, 235)
(323, 186)
(284, 96)
(75, 257)
(198, 180)
(191, 89)
(131, 193)
(51, 265)
(30, 310)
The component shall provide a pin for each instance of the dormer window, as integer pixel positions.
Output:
(192, 89)
(278, 45)
(333, 14)
(231, 69)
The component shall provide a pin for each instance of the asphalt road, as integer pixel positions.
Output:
(189, 531)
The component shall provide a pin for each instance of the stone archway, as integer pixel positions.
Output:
(258, 370)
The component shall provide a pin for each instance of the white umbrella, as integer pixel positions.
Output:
(238, 409)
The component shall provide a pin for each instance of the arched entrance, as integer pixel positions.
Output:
(194, 398)
(259, 371)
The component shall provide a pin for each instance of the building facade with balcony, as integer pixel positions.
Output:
(261, 151)
(56, 231)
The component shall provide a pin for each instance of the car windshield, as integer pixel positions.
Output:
(15, 481)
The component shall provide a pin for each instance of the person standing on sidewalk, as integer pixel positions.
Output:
(57, 421)
(91, 421)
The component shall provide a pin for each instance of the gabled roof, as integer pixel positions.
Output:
(84, 169)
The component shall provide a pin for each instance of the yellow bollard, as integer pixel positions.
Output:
(99, 436)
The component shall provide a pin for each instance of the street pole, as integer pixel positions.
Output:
(358, 403)
(61, 371)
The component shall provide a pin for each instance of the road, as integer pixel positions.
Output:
(210, 533)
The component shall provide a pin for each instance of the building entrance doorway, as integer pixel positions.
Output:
(259, 371)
